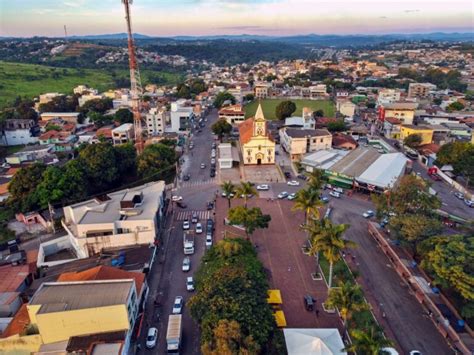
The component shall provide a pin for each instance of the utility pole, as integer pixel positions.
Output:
(65, 33)
(135, 81)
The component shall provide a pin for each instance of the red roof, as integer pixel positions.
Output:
(104, 131)
(393, 120)
(234, 109)
(429, 148)
(50, 134)
(341, 139)
(246, 130)
(18, 324)
(11, 277)
(104, 273)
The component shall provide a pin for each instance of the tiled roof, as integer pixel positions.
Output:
(18, 324)
(246, 131)
(393, 120)
(50, 134)
(340, 139)
(11, 277)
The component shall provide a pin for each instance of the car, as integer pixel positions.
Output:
(181, 204)
(190, 283)
(210, 225)
(214, 145)
(384, 222)
(324, 199)
(263, 187)
(293, 183)
(308, 303)
(151, 338)
(198, 228)
(186, 264)
(335, 194)
(203, 166)
(459, 195)
(194, 217)
(191, 147)
(291, 196)
(302, 177)
(208, 240)
(338, 189)
(287, 174)
(368, 214)
(212, 173)
(213, 154)
(469, 203)
(435, 177)
(186, 225)
(210, 205)
(176, 198)
(415, 352)
(230, 195)
(283, 194)
(186, 177)
(396, 145)
(177, 305)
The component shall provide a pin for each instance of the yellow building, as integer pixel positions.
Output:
(61, 310)
(403, 111)
(424, 132)
(256, 143)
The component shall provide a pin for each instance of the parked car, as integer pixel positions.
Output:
(210, 225)
(291, 196)
(186, 225)
(198, 228)
(176, 198)
(287, 175)
(213, 161)
(190, 283)
(208, 240)
(302, 177)
(469, 203)
(194, 218)
(213, 154)
(283, 194)
(338, 189)
(186, 264)
(459, 195)
(203, 166)
(263, 187)
(212, 173)
(368, 214)
(309, 303)
(325, 199)
(335, 194)
(210, 205)
(177, 305)
(151, 338)
(186, 177)
(181, 204)
(293, 183)
(225, 195)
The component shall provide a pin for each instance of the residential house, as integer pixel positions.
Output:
(318, 91)
(19, 131)
(234, 114)
(84, 89)
(298, 142)
(262, 90)
(156, 121)
(88, 97)
(258, 147)
(122, 134)
(425, 132)
(33, 154)
(388, 96)
(62, 141)
(343, 141)
(460, 130)
(391, 128)
(122, 218)
(404, 111)
(122, 101)
(420, 90)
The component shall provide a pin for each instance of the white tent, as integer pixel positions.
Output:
(313, 341)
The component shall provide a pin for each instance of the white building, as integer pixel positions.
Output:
(346, 108)
(297, 142)
(84, 89)
(156, 121)
(233, 114)
(122, 134)
(388, 96)
(227, 156)
(123, 218)
(181, 116)
(122, 102)
(318, 91)
(19, 131)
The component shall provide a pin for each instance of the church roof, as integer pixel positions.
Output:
(246, 131)
(259, 114)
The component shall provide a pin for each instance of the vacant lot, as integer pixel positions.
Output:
(18, 79)
(270, 105)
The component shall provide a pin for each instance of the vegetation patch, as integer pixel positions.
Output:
(269, 107)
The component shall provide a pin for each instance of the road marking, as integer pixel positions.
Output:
(198, 183)
(202, 215)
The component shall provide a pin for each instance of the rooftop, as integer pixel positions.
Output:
(12, 277)
(60, 114)
(324, 159)
(303, 133)
(356, 162)
(123, 128)
(385, 171)
(401, 106)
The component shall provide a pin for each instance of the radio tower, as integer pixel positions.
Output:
(135, 82)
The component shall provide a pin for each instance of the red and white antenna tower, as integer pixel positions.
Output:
(135, 81)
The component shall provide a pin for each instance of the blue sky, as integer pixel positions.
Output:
(208, 17)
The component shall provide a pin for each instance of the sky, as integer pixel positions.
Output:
(218, 17)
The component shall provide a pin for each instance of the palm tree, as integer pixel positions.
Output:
(308, 201)
(244, 190)
(315, 180)
(348, 299)
(330, 243)
(228, 188)
(369, 342)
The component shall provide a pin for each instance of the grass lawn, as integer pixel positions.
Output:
(270, 105)
(18, 79)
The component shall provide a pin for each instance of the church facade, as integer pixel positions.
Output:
(257, 145)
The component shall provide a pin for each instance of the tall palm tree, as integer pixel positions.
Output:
(330, 243)
(308, 201)
(315, 180)
(348, 299)
(244, 190)
(228, 188)
(369, 342)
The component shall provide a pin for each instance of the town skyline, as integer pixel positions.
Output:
(232, 17)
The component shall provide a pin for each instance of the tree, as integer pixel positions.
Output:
(285, 109)
(250, 219)
(155, 159)
(222, 97)
(184, 91)
(228, 339)
(126, 157)
(307, 200)
(451, 153)
(369, 342)
(124, 115)
(244, 190)
(228, 188)
(455, 106)
(100, 165)
(318, 113)
(197, 86)
(249, 97)
(23, 185)
(315, 180)
(348, 299)
(98, 119)
(337, 126)
(97, 105)
(465, 164)
(221, 128)
(413, 140)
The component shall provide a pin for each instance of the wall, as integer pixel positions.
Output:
(253, 145)
(18, 137)
(16, 345)
(426, 135)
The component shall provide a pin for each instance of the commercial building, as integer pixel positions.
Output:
(182, 116)
(391, 128)
(404, 111)
(234, 114)
(420, 90)
(156, 121)
(298, 142)
(123, 218)
(122, 134)
(228, 156)
(425, 133)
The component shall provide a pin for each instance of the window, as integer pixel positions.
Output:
(259, 147)
(321, 140)
(249, 152)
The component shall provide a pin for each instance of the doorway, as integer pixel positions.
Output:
(259, 161)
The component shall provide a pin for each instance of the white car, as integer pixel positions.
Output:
(208, 241)
(213, 154)
(177, 305)
(186, 224)
(459, 195)
(225, 195)
(293, 183)
(469, 203)
(335, 194)
(151, 338)
(186, 264)
(203, 166)
(368, 214)
(291, 196)
(283, 194)
(263, 187)
(213, 160)
(190, 283)
(198, 228)
(338, 189)
(176, 198)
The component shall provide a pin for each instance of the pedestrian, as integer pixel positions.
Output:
(277, 179)
(317, 312)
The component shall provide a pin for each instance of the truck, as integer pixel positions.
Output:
(173, 334)
(188, 243)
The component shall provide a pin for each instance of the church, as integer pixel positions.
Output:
(258, 147)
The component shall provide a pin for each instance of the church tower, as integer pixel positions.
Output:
(260, 126)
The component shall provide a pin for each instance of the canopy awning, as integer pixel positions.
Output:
(274, 297)
(280, 319)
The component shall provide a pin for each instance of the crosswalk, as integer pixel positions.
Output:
(197, 183)
(202, 215)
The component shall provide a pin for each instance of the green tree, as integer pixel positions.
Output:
(337, 126)
(23, 185)
(228, 339)
(126, 157)
(100, 165)
(97, 105)
(251, 219)
(318, 113)
(308, 201)
(348, 299)
(228, 188)
(123, 115)
(413, 140)
(184, 91)
(369, 342)
(244, 190)
(98, 119)
(223, 97)
(154, 160)
(53, 127)
(249, 97)
(221, 127)
(315, 180)
(197, 86)
(465, 165)
(285, 109)
(451, 153)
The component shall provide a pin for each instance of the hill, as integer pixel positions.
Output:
(270, 105)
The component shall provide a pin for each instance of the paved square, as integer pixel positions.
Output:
(262, 173)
